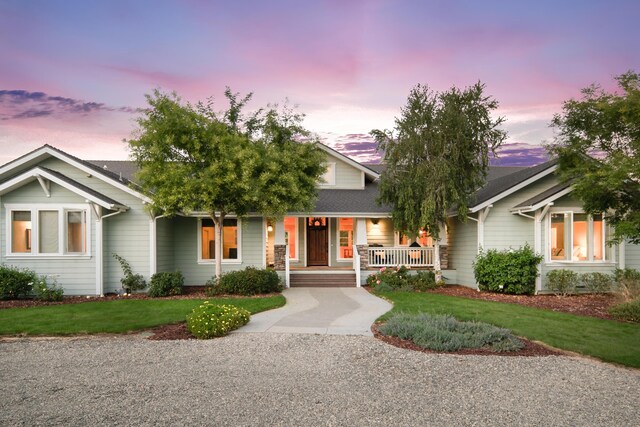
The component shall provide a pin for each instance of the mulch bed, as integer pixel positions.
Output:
(176, 331)
(530, 348)
(593, 305)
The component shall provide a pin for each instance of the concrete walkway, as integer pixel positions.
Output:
(330, 311)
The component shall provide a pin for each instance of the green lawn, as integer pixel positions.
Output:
(604, 339)
(113, 316)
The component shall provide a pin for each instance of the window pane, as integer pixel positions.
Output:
(291, 236)
(579, 251)
(76, 232)
(559, 229)
(21, 232)
(229, 239)
(425, 239)
(345, 227)
(48, 232)
(598, 237)
(403, 240)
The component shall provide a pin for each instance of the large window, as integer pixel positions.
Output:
(291, 236)
(345, 238)
(423, 239)
(576, 237)
(48, 231)
(229, 239)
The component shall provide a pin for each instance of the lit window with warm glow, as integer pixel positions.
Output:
(229, 239)
(345, 238)
(577, 237)
(21, 231)
(291, 236)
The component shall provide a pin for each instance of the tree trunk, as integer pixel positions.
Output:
(436, 260)
(219, 223)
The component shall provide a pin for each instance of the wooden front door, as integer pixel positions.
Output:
(317, 241)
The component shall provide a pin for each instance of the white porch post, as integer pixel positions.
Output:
(152, 247)
(361, 231)
(99, 250)
(621, 253)
(482, 216)
(537, 246)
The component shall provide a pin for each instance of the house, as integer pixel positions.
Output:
(65, 217)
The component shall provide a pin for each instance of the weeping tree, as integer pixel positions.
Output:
(598, 149)
(437, 156)
(194, 159)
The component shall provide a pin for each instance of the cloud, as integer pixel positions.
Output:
(22, 104)
(519, 154)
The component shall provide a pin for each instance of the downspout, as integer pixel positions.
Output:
(99, 252)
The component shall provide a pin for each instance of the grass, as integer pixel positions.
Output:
(114, 316)
(607, 340)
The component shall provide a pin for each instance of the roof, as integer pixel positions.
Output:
(508, 183)
(125, 169)
(350, 201)
(546, 197)
(40, 172)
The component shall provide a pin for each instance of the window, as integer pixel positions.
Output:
(329, 177)
(46, 231)
(229, 239)
(345, 238)
(576, 237)
(423, 239)
(291, 236)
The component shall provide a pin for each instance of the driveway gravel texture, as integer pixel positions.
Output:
(291, 379)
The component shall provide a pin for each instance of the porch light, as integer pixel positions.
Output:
(375, 221)
(269, 228)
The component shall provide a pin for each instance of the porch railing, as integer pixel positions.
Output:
(395, 256)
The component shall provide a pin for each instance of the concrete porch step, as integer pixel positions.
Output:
(323, 280)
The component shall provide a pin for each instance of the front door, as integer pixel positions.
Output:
(317, 241)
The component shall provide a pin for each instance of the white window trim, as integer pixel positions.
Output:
(213, 260)
(62, 209)
(353, 234)
(297, 239)
(332, 182)
(558, 262)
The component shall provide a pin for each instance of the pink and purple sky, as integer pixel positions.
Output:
(73, 73)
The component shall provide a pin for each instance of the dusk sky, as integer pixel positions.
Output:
(73, 73)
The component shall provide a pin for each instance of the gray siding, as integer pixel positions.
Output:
(346, 175)
(164, 245)
(632, 256)
(185, 250)
(463, 248)
(77, 275)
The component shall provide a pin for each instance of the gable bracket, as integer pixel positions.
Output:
(45, 184)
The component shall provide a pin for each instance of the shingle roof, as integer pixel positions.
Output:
(350, 200)
(549, 193)
(499, 185)
(120, 168)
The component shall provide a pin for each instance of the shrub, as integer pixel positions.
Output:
(562, 282)
(422, 281)
(629, 311)
(130, 281)
(165, 284)
(15, 282)
(509, 271)
(627, 284)
(395, 278)
(47, 291)
(383, 287)
(210, 320)
(445, 333)
(250, 281)
(597, 283)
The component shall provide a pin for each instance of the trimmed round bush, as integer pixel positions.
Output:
(562, 282)
(597, 283)
(512, 271)
(16, 282)
(166, 284)
(250, 281)
(629, 311)
(211, 320)
(422, 281)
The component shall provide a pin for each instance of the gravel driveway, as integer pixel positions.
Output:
(290, 379)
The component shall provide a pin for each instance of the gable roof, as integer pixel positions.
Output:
(543, 198)
(39, 173)
(505, 185)
(37, 155)
(370, 173)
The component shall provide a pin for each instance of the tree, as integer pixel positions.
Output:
(437, 156)
(598, 149)
(192, 159)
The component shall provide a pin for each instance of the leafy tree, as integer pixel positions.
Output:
(193, 159)
(598, 148)
(437, 156)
